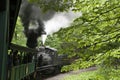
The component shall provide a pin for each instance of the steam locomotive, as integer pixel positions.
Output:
(49, 61)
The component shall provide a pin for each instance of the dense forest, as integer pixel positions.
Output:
(94, 37)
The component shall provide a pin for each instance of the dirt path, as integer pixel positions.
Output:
(62, 75)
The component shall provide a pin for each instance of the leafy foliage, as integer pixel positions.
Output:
(94, 37)
(53, 41)
(19, 37)
(57, 5)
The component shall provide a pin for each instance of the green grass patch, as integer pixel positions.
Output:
(100, 74)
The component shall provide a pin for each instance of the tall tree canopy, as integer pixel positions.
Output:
(94, 37)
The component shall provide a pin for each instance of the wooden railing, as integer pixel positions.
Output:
(20, 62)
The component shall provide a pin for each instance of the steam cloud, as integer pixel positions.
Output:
(60, 20)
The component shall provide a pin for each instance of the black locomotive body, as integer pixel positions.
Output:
(49, 61)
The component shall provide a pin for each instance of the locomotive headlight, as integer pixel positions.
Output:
(43, 38)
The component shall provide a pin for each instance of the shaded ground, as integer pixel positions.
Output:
(62, 75)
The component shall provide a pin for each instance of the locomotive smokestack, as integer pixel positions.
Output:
(43, 38)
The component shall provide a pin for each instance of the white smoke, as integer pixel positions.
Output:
(43, 38)
(60, 20)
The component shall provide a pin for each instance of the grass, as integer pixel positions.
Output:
(100, 74)
(81, 76)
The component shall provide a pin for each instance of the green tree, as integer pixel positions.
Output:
(57, 5)
(19, 37)
(94, 37)
(53, 41)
